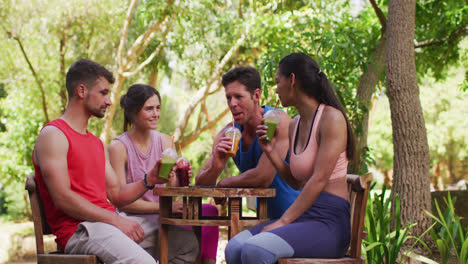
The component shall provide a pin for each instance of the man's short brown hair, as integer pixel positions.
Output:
(248, 76)
(86, 72)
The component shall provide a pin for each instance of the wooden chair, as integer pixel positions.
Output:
(358, 187)
(41, 228)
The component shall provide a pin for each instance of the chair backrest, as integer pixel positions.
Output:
(358, 187)
(41, 227)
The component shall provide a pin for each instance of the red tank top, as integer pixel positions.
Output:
(86, 170)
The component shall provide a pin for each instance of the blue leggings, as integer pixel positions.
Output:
(323, 231)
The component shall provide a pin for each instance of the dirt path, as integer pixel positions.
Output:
(21, 249)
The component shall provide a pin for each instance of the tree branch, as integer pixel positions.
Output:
(202, 93)
(33, 71)
(200, 115)
(62, 50)
(380, 14)
(207, 114)
(124, 33)
(150, 58)
(186, 140)
(460, 32)
(145, 39)
(141, 43)
(218, 87)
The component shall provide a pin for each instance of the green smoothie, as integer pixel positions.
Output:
(271, 120)
(168, 160)
(271, 124)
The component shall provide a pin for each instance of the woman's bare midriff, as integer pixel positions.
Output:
(338, 187)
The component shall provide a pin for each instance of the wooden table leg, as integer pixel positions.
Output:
(196, 203)
(165, 206)
(197, 231)
(197, 213)
(262, 208)
(234, 213)
(184, 208)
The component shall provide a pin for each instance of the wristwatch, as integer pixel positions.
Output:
(146, 184)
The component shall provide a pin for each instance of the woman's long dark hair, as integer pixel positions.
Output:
(133, 101)
(315, 84)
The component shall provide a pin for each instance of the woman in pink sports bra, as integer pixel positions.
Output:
(136, 150)
(321, 143)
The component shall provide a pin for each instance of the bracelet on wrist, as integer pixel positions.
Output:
(145, 182)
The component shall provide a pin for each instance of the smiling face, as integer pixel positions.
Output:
(148, 116)
(96, 98)
(241, 102)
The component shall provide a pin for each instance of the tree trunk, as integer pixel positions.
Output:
(366, 88)
(411, 151)
(105, 135)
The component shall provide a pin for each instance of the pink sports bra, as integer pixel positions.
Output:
(302, 165)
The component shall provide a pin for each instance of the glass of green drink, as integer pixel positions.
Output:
(169, 158)
(271, 119)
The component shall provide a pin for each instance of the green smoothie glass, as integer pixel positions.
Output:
(169, 158)
(271, 119)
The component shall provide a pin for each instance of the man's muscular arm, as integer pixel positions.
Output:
(51, 156)
(263, 174)
(208, 175)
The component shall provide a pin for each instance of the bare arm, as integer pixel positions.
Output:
(209, 174)
(332, 141)
(51, 156)
(263, 174)
(118, 161)
(280, 165)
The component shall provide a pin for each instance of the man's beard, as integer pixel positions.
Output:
(98, 112)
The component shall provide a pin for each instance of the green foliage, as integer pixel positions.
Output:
(380, 135)
(13, 206)
(441, 23)
(444, 107)
(56, 33)
(383, 243)
(449, 234)
(53, 34)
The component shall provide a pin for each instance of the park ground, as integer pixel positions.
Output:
(17, 244)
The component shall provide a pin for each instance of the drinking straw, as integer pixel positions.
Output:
(234, 134)
(172, 142)
(277, 101)
(180, 150)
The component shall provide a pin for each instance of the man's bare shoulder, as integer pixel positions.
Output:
(51, 134)
(51, 142)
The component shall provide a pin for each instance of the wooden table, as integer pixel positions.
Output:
(192, 213)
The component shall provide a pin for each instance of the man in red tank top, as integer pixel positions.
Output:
(75, 181)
